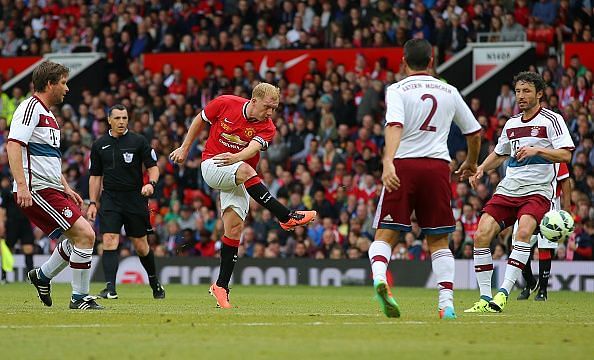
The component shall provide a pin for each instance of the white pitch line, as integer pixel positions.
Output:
(61, 326)
(273, 324)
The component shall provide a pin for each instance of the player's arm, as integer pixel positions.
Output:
(95, 185)
(149, 159)
(228, 158)
(565, 194)
(469, 166)
(562, 143)
(395, 122)
(493, 161)
(467, 123)
(71, 193)
(553, 155)
(95, 181)
(15, 161)
(180, 154)
(393, 135)
(21, 128)
(149, 189)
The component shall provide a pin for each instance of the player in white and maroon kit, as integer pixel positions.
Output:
(534, 141)
(42, 192)
(416, 173)
(239, 130)
(546, 248)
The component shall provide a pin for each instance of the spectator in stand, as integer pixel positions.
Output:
(582, 247)
(545, 11)
(511, 30)
(458, 35)
(555, 69)
(506, 101)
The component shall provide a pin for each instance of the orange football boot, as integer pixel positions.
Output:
(299, 218)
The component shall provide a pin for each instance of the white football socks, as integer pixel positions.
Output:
(483, 268)
(80, 263)
(59, 258)
(379, 256)
(444, 268)
(516, 262)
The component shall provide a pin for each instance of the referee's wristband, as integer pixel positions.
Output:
(153, 183)
(92, 203)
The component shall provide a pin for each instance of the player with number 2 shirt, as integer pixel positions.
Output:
(416, 173)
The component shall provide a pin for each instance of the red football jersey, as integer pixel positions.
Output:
(230, 129)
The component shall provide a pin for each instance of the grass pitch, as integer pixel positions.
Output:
(289, 323)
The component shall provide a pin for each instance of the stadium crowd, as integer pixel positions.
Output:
(326, 154)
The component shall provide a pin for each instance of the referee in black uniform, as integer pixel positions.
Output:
(116, 163)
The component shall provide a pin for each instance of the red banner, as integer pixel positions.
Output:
(296, 61)
(584, 50)
(17, 64)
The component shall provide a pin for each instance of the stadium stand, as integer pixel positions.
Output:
(326, 154)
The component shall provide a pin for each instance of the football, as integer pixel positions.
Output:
(556, 225)
(568, 221)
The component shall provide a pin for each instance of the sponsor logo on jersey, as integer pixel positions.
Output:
(234, 139)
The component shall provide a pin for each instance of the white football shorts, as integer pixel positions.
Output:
(222, 178)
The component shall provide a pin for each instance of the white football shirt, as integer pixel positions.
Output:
(425, 107)
(36, 129)
(534, 175)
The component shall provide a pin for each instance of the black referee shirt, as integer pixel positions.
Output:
(119, 161)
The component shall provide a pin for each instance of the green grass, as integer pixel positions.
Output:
(290, 323)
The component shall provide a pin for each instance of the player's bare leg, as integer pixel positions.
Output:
(233, 224)
(483, 261)
(443, 265)
(147, 259)
(380, 253)
(289, 220)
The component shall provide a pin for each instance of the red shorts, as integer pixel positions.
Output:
(424, 188)
(506, 209)
(52, 211)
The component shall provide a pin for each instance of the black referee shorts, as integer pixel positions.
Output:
(129, 210)
(18, 228)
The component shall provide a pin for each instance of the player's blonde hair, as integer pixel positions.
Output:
(263, 90)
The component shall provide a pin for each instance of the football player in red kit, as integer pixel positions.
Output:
(239, 130)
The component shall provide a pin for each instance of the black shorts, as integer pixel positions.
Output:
(127, 209)
(18, 228)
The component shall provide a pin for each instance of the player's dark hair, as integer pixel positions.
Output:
(532, 78)
(417, 53)
(48, 71)
(115, 107)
